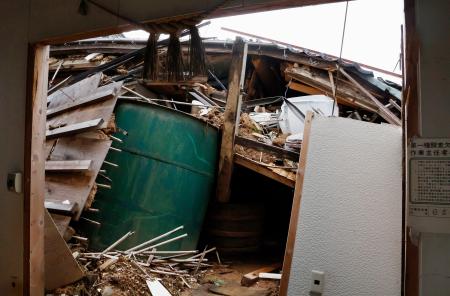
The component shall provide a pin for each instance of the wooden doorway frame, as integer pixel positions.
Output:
(34, 170)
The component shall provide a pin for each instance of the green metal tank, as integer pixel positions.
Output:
(165, 177)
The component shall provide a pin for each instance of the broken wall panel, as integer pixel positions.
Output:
(350, 213)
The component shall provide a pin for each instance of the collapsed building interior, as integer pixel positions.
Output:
(176, 166)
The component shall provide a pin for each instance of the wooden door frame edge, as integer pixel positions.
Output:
(295, 212)
(34, 170)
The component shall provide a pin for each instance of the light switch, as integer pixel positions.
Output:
(317, 281)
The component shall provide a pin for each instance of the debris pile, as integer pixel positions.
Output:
(135, 271)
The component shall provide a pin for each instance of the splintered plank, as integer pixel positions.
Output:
(60, 266)
(65, 166)
(103, 93)
(75, 187)
(76, 90)
(101, 109)
(262, 170)
(75, 128)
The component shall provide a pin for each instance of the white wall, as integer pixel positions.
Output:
(350, 221)
(433, 23)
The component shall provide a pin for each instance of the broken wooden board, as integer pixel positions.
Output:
(346, 93)
(259, 146)
(103, 93)
(61, 222)
(65, 166)
(60, 266)
(65, 208)
(75, 187)
(286, 179)
(74, 128)
(77, 90)
(101, 109)
(252, 277)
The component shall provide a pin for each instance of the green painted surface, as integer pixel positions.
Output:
(165, 177)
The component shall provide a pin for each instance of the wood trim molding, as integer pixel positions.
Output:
(34, 172)
(295, 212)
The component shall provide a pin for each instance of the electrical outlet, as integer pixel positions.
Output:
(317, 281)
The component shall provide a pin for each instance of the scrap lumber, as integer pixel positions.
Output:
(75, 187)
(265, 171)
(64, 166)
(346, 94)
(103, 93)
(157, 289)
(232, 110)
(60, 266)
(279, 152)
(75, 128)
(76, 90)
(101, 109)
(269, 276)
(383, 111)
(65, 207)
(252, 277)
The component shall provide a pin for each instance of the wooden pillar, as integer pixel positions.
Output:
(411, 128)
(231, 124)
(34, 174)
(295, 211)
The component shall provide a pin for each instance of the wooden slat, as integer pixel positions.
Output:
(383, 111)
(289, 250)
(252, 165)
(102, 109)
(67, 165)
(75, 187)
(279, 152)
(76, 90)
(60, 266)
(66, 208)
(231, 115)
(74, 128)
(100, 95)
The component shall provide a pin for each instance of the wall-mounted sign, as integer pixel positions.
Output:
(429, 185)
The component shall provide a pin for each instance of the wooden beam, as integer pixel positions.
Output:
(383, 111)
(262, 170)
(289, 250)
(346, 93)
(64, 166)
(90, 99)
(279, 152)
(33, 236)
(231, 115)
(305, 88)
(74, 128)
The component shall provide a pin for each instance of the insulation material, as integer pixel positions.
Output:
(350, 220)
